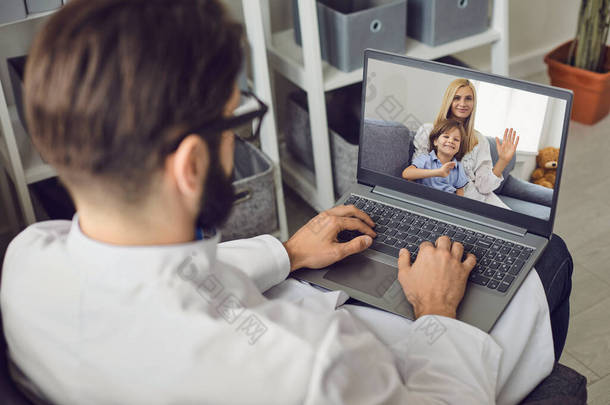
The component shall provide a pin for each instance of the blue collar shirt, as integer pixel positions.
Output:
(457, 177)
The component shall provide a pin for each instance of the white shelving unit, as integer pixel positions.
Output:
(262, 87)
(304, 67)
(30, 17)
(24, 165)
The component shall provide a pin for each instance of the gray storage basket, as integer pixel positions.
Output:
(435, 22)
(11, 10)
(38, 6)
(344, 126)
(348, 27)
(254, 211)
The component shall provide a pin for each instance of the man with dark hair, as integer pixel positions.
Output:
(135, 302)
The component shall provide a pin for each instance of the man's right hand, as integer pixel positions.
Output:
(436, 282)
(315, 245)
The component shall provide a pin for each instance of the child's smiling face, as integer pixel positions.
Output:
(448, 143)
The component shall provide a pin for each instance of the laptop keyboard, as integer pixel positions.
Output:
(499, 261)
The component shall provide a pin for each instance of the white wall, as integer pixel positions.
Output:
(501, 107)
(535, 26)
(553, 126)
(401, 94)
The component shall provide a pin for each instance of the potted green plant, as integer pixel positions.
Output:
(583, 64)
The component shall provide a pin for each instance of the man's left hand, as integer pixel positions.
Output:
(315, 245)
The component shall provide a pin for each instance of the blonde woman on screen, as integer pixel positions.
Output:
(460, 102)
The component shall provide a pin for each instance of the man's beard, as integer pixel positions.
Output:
(218, 198)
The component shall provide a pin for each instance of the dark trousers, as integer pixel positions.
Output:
(555, 270)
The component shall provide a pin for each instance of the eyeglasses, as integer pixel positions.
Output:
(248, 117)
(245, 122)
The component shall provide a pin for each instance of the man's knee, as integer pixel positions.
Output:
(558, 248)
(555, 268)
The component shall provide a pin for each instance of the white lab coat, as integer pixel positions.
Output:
(92, 323)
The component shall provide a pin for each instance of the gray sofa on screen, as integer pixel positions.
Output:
(388, 148)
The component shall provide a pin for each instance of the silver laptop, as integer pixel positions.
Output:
(402, 96)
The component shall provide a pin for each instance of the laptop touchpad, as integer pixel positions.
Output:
(363, 274)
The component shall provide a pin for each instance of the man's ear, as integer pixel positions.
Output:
(188, 166)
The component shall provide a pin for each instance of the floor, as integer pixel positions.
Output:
(583, 221)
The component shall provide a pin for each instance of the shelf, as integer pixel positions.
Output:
(300, 179)
(34, 168)
(250, 105)
(29, 18)
(287, 57)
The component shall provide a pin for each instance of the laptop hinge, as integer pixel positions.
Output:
(430, 205)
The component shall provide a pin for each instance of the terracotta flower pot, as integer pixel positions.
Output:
(591, 89)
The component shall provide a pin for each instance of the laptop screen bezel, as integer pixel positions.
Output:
(369, 177)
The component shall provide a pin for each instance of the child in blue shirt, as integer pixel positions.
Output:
(440, 168)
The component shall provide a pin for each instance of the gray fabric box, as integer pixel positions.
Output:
(348, 27)
(38, 6)
(435, 22)
(11, 10)
(254, 211)
(344, 123)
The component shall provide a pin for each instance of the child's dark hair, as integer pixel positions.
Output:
(442, 128)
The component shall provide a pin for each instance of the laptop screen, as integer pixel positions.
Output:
(444, 133)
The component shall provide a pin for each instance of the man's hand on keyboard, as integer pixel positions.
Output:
(436, 282)
(315, 245)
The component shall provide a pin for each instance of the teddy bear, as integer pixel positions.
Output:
(547, 167)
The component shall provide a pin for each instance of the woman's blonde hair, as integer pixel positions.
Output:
(470, 141)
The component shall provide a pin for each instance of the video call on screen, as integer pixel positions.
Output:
(402, 106)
